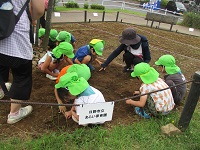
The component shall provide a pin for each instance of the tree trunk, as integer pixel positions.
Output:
(48, 24)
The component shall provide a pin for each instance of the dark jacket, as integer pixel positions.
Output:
(123, 47)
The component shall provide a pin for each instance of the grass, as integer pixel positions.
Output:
(138, 135)
(62, 9)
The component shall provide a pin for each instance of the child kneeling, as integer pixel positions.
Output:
(154, 104)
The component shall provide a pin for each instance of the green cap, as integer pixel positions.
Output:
(63, 48)
(145, 72)
(64, 36)
(53, 34)
(74, 84)
(81, 69)
(41, 32)
(98, 46)
(169, 62)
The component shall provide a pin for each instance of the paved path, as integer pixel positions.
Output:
(78, 16)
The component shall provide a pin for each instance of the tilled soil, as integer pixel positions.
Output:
(113, 83)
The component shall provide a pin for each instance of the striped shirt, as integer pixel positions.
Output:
(163, 100)
(18, 43)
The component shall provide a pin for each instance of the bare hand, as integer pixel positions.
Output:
(68, 114)
(128, 101)
(62, 109)
(136, 93)
(102, 69)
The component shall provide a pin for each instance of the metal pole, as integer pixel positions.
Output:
(85, 16)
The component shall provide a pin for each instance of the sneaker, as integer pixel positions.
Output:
(128, 69)
(51, 77)
(141, 113)
(91, 67)
(56, 71)
(8, 85)
(22, 113)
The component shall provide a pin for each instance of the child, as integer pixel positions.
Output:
(52, 62)
(174, 76)
(154, 104)
(67, 37)
(52, 39)
(88, 53)
(41, 34)
(82, 70)
(80, 91)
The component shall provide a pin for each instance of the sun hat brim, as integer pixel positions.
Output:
(172, 70)
(130, 42)
(149, 77)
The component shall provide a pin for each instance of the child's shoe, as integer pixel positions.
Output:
(56, 71)
(141, 113)
(51, 77)
(128, 69)
(91, 67)
(22, 113)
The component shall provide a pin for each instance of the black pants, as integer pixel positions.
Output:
(130, 59)
(22, 76)
(43, 21)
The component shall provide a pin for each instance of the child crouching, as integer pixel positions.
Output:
(154, 104)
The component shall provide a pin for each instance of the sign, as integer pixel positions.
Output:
(56, 14)
(191, 29)
(93, 113)
(95, 14)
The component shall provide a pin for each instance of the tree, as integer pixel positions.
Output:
(48, 24)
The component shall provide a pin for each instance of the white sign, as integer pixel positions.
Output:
(191, 29)
(95, 14)
(56, 14)
(93, 113)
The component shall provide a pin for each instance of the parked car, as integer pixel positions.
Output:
(188, 3)
(176, 7)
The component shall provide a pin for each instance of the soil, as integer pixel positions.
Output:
(113, 83)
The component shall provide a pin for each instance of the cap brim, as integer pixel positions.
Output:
(133, 75)
(100, 54)
(71, 55)
(57, 86)
(130, 42)
(158, 63)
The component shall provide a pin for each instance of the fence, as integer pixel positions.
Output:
(145, 7)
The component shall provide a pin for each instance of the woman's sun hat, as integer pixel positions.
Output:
(41, 32)
(147, 73)
(98, 46)
(53, 34)
(169, 62)
(73, 83)
(81, 69)
(129, 37)
(64, 36)
(63, 48)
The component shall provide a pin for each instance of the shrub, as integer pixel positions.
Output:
(86, 5)
(191, 19)
(163, 3)
(96, 6)
(71, 4)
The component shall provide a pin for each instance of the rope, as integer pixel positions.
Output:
(55, 104)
